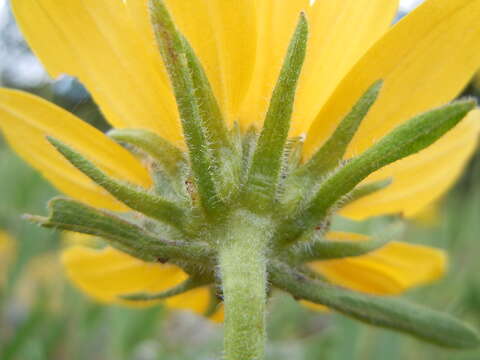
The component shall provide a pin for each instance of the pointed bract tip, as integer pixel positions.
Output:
(54, 141)
(303, 19)
(377, 85)
(469, 102)
(387, 182)
(134, 297)
(34, 219)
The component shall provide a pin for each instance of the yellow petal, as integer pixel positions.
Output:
(313, 306)
(340, 32)
(429, 216)
(26, 120)
(98, 42)
(390, 270)
(345, 236)
(7, 246)
(334, 236)
(7, 251)
(72, 238)
(223, 35)
(42, 272)
(219, 315)
(196, 300)
(108, 273)
(423, 178)
(425, 61)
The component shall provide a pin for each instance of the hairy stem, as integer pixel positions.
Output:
(243, 274)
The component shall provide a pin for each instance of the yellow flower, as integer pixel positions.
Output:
(7, 251)
(425, 60)
(42, 272)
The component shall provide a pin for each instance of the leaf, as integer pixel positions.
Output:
(267, 159)
(146, 203)
(224, 156)
(162, 151)
(407, 139)
(66, 214)
(176, 58)
(367, 189)
(332, 152)
(303, 180)
(328, 250)
(426, 324)
(181, 288)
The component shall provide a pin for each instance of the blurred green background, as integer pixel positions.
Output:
(43, 317)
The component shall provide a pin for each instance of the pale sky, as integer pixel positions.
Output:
(404, 3)
(407, 5)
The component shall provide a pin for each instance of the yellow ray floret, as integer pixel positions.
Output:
(107, 274)
(394, 268)
(7, 251)
(26, 120)
(390, 270)
(425, 61)
(98, 42)
(225, 44)
(423, 178)
(429, 216)
(341, 31)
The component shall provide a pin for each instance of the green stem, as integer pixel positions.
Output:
(244, 282)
